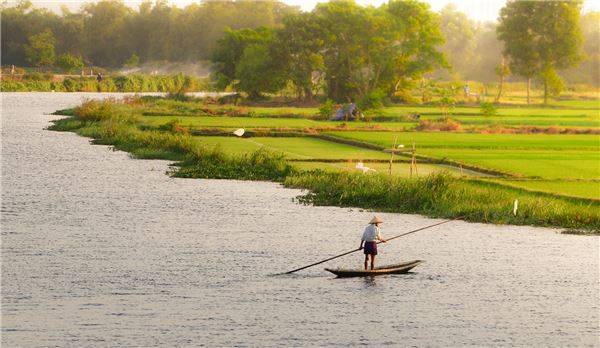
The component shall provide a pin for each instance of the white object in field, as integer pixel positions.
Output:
(516, 206)
(400, 146)
(239, 132)
(360, 166)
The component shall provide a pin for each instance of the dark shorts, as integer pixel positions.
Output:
(370, 248)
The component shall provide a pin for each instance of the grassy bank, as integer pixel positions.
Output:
(121, 125)
(123, 83)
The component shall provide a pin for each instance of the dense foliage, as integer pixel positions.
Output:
(541, 38)
(107, 33)
(355, 50)
(341, 49)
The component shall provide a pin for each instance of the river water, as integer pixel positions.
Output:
(100, 249)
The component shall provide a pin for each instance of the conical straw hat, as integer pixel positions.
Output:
(376, 220)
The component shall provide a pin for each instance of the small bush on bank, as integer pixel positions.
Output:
(488, 109)
(258, 165)
(326, 110)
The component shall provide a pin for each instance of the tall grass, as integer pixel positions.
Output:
(124, 83)
(258, 165)
(441, 195)
(111, 123)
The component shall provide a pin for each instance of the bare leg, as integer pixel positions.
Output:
(372, 262)
(366, 261)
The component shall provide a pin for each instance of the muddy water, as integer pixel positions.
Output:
(100, 249)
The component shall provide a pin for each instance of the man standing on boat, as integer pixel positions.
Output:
(370, 237)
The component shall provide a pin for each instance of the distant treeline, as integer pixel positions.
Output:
(36, 82)
(110, 34)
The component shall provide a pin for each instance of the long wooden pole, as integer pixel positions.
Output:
(355, 250)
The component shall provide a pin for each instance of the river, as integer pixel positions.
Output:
(101, 249)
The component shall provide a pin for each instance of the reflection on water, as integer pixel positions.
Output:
(370, 281)
(99, 249)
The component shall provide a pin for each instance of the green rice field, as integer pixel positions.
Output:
(476, 174)
(399, 117)
(565, 164)
(293, 148)
(534, 163)
(476, 140)
(585, 189)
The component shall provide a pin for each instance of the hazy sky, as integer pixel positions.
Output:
(480, 10)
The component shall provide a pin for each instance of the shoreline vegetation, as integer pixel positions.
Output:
(38, 82)
(288, 160)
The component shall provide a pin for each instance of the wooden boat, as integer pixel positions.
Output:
(398, 268)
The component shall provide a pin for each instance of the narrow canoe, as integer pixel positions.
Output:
(398, 268)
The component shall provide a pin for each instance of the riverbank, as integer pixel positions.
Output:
(436, 195)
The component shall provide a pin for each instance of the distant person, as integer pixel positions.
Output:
(370, 236)
(99, 77)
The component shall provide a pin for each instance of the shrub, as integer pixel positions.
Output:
(69, 62)
(326, 110)
(488, 109)
(36, 76)
(374, 100)
(174, 126)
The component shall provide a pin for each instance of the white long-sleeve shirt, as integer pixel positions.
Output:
(371, 233)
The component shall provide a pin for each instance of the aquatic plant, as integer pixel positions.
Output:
(440, 195)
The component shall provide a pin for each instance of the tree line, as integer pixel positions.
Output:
(350, 52)
(109, 33)
(340, 48)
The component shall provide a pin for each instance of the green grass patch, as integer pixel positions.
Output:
(293, 148)
(476, 140)
(230, 123)
(549, 164)
(579, 188)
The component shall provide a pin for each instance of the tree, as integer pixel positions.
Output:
(553, 84)
(256, 71)
(40, 50)
(133, 61)
(417, 38)
(69, 62)
(589, 70)
(366, 49)
(459, 45)
(230, 50)
(107, 38)
(502, 71)
(297, 50)
(487, 54)
(540, 37)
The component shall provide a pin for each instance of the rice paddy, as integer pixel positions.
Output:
(543, 162)
(533, 167)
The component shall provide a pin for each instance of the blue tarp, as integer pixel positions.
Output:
(340, 114)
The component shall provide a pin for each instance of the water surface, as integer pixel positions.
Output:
(101, 249)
